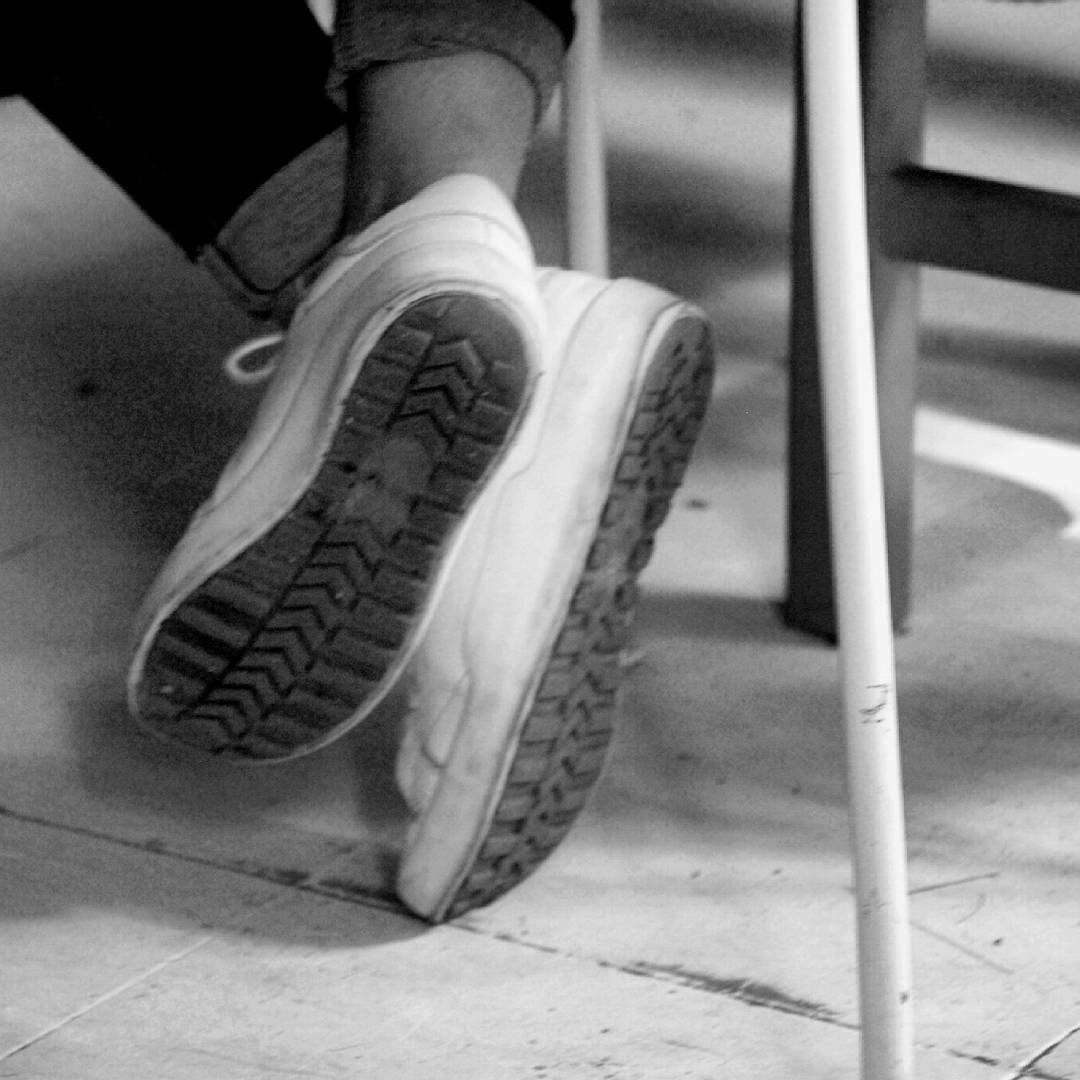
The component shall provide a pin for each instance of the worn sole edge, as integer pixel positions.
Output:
(450, 903)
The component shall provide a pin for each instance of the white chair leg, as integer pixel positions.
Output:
(583, 139)
(841, 267)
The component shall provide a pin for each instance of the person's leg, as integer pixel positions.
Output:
(431, 90)
(221, 129)
(213, 118)
(515, 686)
(189, 108)
(310, 577)
(414, 122)
(303, 586)
(444, 87)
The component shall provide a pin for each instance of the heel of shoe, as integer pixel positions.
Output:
(296, 637)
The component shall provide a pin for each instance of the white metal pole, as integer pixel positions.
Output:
(841, 269)
(586, 182)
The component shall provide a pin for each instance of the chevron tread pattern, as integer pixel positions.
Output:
(279, 650)
(570, 720)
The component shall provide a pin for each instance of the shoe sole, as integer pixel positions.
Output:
(288, 645)
(558, 743)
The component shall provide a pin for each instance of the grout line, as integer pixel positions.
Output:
(255, 871)
(105, 998)
(741, 990)
(738, 990)
(1029, 1070)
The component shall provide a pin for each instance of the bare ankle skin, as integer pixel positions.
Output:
(414, 122)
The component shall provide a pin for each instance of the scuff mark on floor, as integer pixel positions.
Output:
(953, 883)
(961, 947)
(749, 991)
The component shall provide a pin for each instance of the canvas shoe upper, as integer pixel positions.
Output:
(300, 587)
(516, 682)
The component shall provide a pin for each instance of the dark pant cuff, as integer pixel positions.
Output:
(384, 31)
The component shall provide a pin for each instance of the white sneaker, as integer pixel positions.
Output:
(301, 586)
(517, 678)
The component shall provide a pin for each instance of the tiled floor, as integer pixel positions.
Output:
(165, 917)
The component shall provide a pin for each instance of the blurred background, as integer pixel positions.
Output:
(165, 916)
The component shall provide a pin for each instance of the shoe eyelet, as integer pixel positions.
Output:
(255, 361)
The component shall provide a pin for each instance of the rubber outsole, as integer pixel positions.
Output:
(278, 652)
(570, 715)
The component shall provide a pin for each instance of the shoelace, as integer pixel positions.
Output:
(255, 360)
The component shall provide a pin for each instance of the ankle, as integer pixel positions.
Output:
(415, 122)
